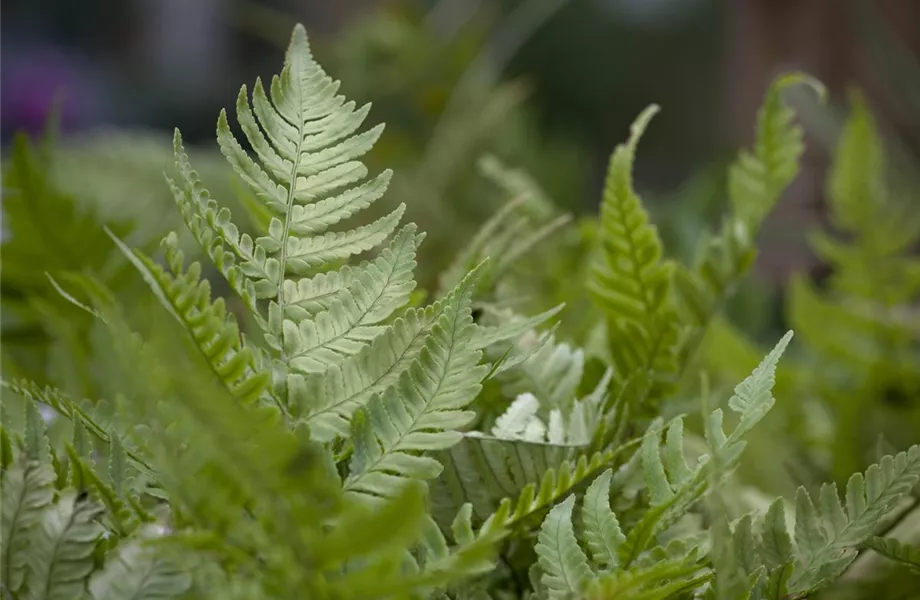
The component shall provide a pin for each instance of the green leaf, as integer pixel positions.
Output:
(27, 490)
(565, 566)
(137, 572)
(600, 526)
(61, 553)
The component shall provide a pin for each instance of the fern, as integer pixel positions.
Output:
(897, 551)
(214, 331)
(27, 491)
(756, 182)
(825, 536)
(420, 411)
(632, 282)
(673, 488)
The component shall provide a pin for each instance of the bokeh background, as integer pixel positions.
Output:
(549, 85)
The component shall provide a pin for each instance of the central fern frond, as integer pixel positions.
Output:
(305, 168)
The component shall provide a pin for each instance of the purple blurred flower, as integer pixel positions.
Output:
(33, 80)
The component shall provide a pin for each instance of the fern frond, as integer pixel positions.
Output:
(60, 557)
(856, 183)
(673, 486)
(757, 179)
(303, 140)
(631, 282)
(421, 411)
(27, 490)
(135, 572)
(564, 564)
(759, 176)
(327, 401)
(600, 525)
(897, 551)
(826, 536)
(212, 327)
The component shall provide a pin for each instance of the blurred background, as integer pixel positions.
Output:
(547, 85)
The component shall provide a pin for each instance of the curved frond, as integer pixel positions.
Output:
(631, 281)
(760, 175)
(213, 328)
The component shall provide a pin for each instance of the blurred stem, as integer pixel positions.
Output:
(494, 56)
(268, 24)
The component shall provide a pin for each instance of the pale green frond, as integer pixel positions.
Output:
(304, 168)
(600, 525)
(484, 470)
(327, 401)
(61, 550)
(386, 281)
(421, 411)
(136, 572)
(760, 175)
(753, 397)
(826, 538)
(353, 318)
(27, 490)
(564, 564)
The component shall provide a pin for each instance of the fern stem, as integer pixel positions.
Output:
(292, 182)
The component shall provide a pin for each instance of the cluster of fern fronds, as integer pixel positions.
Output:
(335, 436)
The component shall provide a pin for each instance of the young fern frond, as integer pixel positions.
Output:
(757, 180)
(214, 330)
(825, 535)
(631, 281)
(759, 176)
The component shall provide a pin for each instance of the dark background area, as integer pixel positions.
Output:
(589, 67)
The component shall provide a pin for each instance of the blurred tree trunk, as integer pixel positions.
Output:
(841, 42)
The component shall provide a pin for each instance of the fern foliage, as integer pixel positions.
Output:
(633, 280)
(328, 434)
(827, 533)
